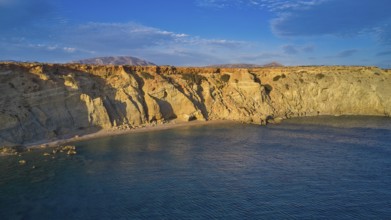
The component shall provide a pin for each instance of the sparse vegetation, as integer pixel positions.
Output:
(147, 75)
(319, 76)
(68, 78)
(34, 80)
(192, 78)
(268, 88)
(276, 78)
(11, 85)
(225, 77)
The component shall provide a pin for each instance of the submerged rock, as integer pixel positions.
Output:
(15, 150)
(72, 152)
(70, 149)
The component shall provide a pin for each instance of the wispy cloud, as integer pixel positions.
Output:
(290, 49)
(344, 53)
(295, 49)
(52, 48)
(271, 5)
(384, 53)
(106, 36)
(125, 38)
(331, 17)
(303, 18)
(101, 39)
(283, 5)
(214, 3)
(308, 48)
(221, 43)
(384, 33)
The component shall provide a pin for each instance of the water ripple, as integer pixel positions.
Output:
(302, 169)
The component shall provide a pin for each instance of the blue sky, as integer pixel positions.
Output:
(199, 32)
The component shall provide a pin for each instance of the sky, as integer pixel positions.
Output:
(199, 32)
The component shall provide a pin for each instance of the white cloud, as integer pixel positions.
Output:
(128, 36)
(71, 42)
(69, 49)
(51, 47)
(271, 5)
(214, 3)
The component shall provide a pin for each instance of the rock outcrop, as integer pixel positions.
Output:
(47, 101)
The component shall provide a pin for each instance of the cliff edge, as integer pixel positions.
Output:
(48, 101)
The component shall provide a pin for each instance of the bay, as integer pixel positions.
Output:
(304, 168)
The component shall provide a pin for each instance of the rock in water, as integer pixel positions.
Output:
(71, 152)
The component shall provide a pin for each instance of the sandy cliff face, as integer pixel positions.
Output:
(45, 101)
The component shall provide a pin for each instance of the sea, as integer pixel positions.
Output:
(304, 168)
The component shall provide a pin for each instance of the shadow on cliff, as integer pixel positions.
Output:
(97, 87)
(47, 105)
(165, 107)
(198, 104)
(39, 107)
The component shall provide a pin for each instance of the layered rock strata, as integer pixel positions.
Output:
(47, 101)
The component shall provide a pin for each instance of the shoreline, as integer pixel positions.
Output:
(116, 132)
(71, 139)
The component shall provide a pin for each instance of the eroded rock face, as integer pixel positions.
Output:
(45, 101)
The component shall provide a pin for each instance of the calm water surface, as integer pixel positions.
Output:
(311, 168)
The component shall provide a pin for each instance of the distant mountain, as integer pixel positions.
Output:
(235, 65)
(246, 65)
(116, 60)
(9, 61)
(273, 64)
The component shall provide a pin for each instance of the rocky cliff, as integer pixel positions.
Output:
(47, 101)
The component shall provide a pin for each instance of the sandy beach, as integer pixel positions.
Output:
(118, 131)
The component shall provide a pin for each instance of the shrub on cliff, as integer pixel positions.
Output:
(225, 77)
(276, 78)
(320, 76)
(147, 75)
(193, 78)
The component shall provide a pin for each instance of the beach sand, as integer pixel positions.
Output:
(117, 131)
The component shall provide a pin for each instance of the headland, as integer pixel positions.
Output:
(42, 103)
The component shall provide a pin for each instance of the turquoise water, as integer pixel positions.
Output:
(310, 168)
